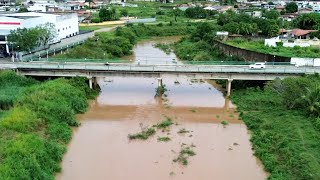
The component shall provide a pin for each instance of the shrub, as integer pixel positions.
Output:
(96, 20)
(21, 119)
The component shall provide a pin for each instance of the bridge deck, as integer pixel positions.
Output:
(195, 71)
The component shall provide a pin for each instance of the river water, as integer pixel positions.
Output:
(100, 148)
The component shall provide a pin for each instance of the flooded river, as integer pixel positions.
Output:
(100, 148)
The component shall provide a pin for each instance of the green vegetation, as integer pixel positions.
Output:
(109, 45)
(198, 47)
(224, 122)
(184, 154)
(164, 139)
(145, 134)
(11, 87)
(259, 46)
(284, 122)
(291, 7)
(35, 131)
(26, 39)
(167, 48)
(160, 90)
(308, 21)
(164, 124)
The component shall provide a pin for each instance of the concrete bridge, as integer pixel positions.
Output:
(94, 70)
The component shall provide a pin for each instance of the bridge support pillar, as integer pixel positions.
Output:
(95, 82)
(229, 87)
(159, 82)
(90, 82)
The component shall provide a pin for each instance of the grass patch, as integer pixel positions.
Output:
(184, 155)
(145, 134)
(164, 124)
(164, 139)
(224, 122)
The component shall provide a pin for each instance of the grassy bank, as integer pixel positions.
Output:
(198, 47)
(285, 126)
(112, 45)
(258, 46)
(35, 130)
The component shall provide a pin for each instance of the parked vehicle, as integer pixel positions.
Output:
(259, 65)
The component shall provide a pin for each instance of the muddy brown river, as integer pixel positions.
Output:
(100, 148)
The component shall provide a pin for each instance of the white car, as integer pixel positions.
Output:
(257, 66)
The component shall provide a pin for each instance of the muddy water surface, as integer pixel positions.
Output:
(101, 150)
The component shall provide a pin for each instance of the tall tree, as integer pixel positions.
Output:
(272, 14)
(26, 39)
(291, 7)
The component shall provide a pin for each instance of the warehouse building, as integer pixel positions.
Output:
(66, 25)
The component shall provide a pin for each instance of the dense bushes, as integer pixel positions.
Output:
(284, 136)
(34, 133)
(199, 46)
(120, 43)
(10, 88)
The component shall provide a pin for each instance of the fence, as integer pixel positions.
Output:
(39, 56)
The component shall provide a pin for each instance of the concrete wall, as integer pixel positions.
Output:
(305, 61)
(67, 25)
(248, 55)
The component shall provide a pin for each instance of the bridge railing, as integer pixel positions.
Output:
(160, 60)
(168, 68)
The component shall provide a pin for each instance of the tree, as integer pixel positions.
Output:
(232, 28)
(107, 14)
(23, 9)
(291, 7)
(272, 14)
(23, 39)
(124, 12)
(177, 12)
(196, 12)
(311, 101)
(307, 21)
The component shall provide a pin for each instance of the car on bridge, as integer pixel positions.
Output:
(258, 65)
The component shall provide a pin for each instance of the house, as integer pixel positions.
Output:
(292, 38)
(66, 24)
(289, 16)
(301, 34)
(279, 8)
(70, 7)
(305, 11)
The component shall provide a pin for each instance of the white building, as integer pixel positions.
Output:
(66, 24)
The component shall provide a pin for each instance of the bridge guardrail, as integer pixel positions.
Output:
(167, 68)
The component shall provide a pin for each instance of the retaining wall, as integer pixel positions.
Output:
(248, 55)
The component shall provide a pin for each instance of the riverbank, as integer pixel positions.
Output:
(284, 122)
(36, 126)
(113, 45)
